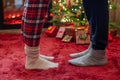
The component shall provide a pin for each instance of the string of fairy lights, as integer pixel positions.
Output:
(70, 11)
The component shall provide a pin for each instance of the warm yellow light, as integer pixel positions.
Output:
(13, 16)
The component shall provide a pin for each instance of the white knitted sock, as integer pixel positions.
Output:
(46, 57)
(34, 61)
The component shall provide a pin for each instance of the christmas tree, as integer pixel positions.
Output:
(70, 11)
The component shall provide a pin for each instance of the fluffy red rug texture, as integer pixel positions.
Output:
(12, 60)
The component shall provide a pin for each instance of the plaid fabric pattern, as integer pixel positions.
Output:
(33, 20)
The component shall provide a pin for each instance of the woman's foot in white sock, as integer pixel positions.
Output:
(36, 61)
(47, 57)
(39, 63)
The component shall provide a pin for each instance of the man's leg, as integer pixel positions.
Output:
(88, 8)
(33, 20)
(98, 17)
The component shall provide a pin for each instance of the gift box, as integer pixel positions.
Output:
(82, 36)
(67, 38)
(70, 31)
(60, 32)
(110, 38)
(51, 31)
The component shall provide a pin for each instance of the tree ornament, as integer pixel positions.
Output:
(51, 15)
(68, 3)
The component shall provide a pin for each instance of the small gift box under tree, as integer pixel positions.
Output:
(69, 34)
(51, 31)
(82, 36)
(60, 32)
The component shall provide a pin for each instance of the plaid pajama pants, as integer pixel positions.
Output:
(33, 20)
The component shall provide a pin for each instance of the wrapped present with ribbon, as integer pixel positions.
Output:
(51, 31)
(67, 38)
(60, 32)
(70, 31)
(82, 36)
